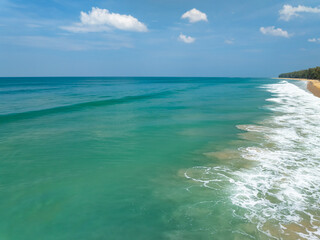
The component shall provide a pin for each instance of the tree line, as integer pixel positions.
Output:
(311, 73)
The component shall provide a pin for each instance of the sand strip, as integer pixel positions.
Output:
(313, 85)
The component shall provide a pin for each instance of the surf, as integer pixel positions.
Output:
(278, 193)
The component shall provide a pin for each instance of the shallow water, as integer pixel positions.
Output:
(158, 158)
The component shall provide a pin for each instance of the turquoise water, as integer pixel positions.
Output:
(155, 158)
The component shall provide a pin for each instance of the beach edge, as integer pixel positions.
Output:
(313, 85)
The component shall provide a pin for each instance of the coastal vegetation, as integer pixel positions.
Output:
(311, 73)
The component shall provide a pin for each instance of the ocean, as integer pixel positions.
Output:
(158, 158)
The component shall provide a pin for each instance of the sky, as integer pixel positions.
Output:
(205, 38)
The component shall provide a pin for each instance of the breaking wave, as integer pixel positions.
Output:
(280, 191)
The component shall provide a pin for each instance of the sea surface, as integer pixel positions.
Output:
(158, 158)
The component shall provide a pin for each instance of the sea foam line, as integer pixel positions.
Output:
(281, 192)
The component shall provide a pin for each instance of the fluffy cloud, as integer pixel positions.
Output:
(288, 11)
(186, 39)
(315, 40)
(195, 15)
(99, 20)
(274, 31)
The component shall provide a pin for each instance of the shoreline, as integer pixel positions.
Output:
(313, 85)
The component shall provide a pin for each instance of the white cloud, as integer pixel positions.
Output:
(82, 28)
(186, 39)
(288, 11)
(228, 41)
(274, 31)
(99, 20)
(195, 15)
(314, 40)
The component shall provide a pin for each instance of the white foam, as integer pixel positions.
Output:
(286, 181)
(284, 186)
(253, 128)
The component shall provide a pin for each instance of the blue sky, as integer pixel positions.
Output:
(255, 38)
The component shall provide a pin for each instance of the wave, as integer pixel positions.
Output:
(27, 91)
(80, 106)
(279, 192)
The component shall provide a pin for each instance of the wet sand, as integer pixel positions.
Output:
(313, 85)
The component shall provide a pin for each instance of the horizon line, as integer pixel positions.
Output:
(129, 76)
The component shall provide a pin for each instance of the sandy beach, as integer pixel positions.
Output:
(313, 85)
